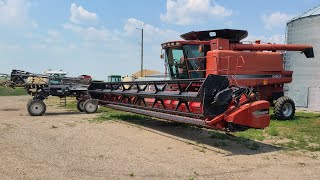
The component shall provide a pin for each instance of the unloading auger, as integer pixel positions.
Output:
(208, 102)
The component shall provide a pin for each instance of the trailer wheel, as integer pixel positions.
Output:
(284, 108)
(36, 107)
(80, 105)
(90, 106)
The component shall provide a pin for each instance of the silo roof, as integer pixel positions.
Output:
(312, 12)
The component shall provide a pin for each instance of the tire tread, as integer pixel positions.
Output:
(279, 105)
(36, 101)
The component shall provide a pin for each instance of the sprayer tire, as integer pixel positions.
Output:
(80, 105)
(36, 107)
(90, 106)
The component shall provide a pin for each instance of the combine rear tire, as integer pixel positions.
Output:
(80, 104)
(36, 107)
(90, 106)
(284, 108)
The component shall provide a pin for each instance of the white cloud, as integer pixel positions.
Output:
(53, 36)
(184, 12)
(15, 13)
(49, 38)
(153, 37)
(228, 24)
(79, 15)
(132, 25)
(84, 24)
(151, 32)
(277, 38)
(89, 33)
(275, 20)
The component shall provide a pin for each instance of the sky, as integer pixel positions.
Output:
(100, 37)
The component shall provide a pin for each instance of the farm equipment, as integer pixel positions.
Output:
(208, 102)
(3, 79)
(220, 52)
(216, 82)
(4, 75)
(114, 78)
(40, 86)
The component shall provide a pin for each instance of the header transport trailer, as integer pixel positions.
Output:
(52, 83)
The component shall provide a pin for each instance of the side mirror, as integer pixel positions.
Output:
(161, 56)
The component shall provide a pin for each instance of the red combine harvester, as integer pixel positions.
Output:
(220, 52)
(216, 82)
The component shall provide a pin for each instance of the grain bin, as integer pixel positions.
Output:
(305, 87)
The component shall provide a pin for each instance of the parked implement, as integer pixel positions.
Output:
(209, 102)
(3, 79)
(114, 78)
(220, 52)
(53, 83)
(216, 82)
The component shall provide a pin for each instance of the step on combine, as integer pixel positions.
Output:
(52, 83)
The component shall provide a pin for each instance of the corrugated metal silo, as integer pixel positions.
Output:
(305, 87)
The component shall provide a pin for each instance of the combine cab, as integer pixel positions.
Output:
(220, 52)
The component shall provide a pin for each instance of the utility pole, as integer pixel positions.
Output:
(141, 43)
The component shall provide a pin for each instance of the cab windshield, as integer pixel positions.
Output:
(187, 61)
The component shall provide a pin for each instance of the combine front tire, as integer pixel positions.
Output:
(36, 107)
(90, 106)
(284, 108)
(80, 105)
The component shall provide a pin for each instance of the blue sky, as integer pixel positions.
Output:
(100, 38)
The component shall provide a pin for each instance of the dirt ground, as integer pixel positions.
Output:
(66, 145)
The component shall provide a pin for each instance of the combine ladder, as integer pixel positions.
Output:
(63, 101)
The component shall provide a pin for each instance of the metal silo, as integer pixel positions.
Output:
(305, 87)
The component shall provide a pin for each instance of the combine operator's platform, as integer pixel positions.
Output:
(208, 102)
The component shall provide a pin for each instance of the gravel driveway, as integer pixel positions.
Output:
(65, 145)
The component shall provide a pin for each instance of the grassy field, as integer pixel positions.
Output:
(301, 133)
(12, 92)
